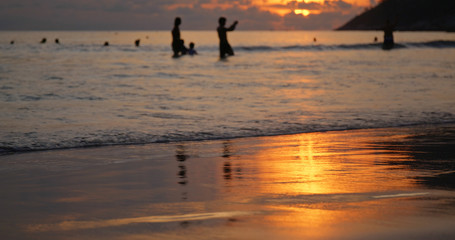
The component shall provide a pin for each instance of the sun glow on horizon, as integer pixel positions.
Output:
(284, 7)
(304, 12)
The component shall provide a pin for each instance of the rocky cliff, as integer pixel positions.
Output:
(409, 15)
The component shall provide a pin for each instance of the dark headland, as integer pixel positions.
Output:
(409, 15)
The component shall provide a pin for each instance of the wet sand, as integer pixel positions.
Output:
(395, 183)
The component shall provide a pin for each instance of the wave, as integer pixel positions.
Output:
(359, 46)
(434, 44)
(128, 138)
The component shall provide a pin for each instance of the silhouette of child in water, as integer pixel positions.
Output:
(192, 51)
(225, 48)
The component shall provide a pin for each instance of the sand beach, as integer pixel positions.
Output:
(387, 183)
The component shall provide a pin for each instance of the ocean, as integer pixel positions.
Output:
(80, 93)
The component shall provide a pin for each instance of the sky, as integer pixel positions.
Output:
(195, 14)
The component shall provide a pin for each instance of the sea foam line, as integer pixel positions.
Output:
(401, 195)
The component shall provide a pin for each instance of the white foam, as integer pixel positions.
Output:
(399, 195)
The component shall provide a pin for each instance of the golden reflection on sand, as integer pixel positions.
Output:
(324, 163)
(317, 182)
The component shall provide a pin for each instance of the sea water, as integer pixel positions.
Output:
(80, 93)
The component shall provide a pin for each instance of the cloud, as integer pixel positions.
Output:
(303, 5)
(338, 5)
(324, 20)
(159, 14)
(328, 14)
(334, 5)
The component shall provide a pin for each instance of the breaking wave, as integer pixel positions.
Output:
(361, 46)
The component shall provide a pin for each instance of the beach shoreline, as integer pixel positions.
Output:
(389, 183)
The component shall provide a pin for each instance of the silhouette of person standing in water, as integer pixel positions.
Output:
(176, 42)
(388, 35)
(225, 48)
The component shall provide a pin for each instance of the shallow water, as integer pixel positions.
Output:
(79, 94)
(360, 184)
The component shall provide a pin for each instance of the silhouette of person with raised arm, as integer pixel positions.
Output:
(225, 48)
(388, 35)
(176, 41)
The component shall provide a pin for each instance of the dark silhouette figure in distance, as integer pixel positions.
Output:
(225, 48)
(388, 35)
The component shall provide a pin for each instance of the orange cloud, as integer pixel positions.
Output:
(159, 14)
(178, 5)
(278, 7)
